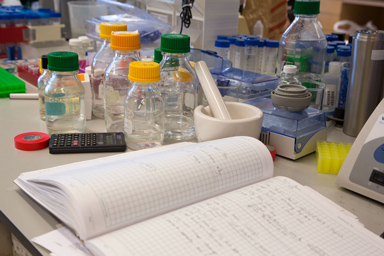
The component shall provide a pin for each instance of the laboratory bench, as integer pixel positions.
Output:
(27, 219)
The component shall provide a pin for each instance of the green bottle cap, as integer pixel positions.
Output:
(63, 61)
(157, 55)
(175, 43)
(307, 7)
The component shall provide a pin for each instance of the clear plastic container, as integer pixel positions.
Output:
(222, 48)
(329, 57)
(332, 82)
(239, 57)
(5, 20)
(250, 54)
(42, 82)
(100, 62)
(64, 95)
(270, 57)
(44, 18)
(260, 53)
(144, 107)
(344, 54)
(86, 44)
(303, 44)
(288, 76)
(76, 46)
(178, 87)
(232, 49)
(55, 18)
(126, 45)
(17, 20)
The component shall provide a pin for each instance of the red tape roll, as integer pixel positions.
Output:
(31, 141)
(272, 150)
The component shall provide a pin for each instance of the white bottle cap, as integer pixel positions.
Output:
(85, 39)
(88, 70)
(290, 69)
(98, 72)
(334, 67)
(75, 42)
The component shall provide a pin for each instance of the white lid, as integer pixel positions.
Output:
(290, 69)
(334, 67)
(84, 39)
(75, 42)
(88, 70)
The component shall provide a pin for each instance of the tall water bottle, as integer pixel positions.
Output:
(304, 44)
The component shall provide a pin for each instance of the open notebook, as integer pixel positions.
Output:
(216, 197)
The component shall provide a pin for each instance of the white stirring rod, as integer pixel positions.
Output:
(214, 98)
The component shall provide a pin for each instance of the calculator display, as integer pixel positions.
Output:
(109, 139)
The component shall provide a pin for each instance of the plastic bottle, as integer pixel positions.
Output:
(144, 107)
(270, 57)
(75, 45)
(250, 54)
(42, 82)
(344, 54)
(100, 62)
(126, 45)
(239, 57)
(332, 82)
(303, 44)
(64, 95)
(222, 48)
(178, 87)
(258, 29)
(288, 76)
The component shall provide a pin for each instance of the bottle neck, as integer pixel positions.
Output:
(306, 17)
(145, 86)
(66, 73)
(126, 53)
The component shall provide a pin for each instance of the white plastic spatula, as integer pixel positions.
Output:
(214, 98)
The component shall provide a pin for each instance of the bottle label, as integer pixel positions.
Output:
(54, 108)
(127, 126)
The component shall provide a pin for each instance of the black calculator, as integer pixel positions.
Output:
(87, 142)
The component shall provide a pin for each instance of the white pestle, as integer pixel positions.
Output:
(214, 98)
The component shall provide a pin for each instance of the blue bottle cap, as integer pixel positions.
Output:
(251, 41)
(239, 42)
(31, 16)
(330, 49)
(43, 15)
(272, 43)
(17, 16)
(232, 40)
(55, 14)
(344, 52)
(254, 37)
(261, 43)
(340, 42)
(222, 37)
(331, 38)
(5, 16)
(44, 10)
(222, 43)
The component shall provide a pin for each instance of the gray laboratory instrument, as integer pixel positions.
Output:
(363, 168)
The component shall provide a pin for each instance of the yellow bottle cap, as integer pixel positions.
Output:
(125, 41)
(106, 28)
(144, 72)
(41, 68)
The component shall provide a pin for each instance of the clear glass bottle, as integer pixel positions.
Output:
(64, 95)
(144, 107)
(100, 62)
(288, 76)
(304, 44)
(178, 87)
(126, 45)
(42, 82)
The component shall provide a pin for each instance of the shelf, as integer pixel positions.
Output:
(377, 3)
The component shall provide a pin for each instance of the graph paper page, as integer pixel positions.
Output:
(273, 217)
(115, 194)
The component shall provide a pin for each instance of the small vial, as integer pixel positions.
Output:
(5, 20)
(250, 54)
(329, 57)
(232, 49)
(86, 44)
(288, 75)
(64, 95)
(42, 82)
(32, 20)
(17, 20)
(55, 18)
(44, 18)
(270, 57)
(144, 107)
(222, 48)
(258, 29)
(239, 57)
(260, 52)
(344, 54)
(76, 46)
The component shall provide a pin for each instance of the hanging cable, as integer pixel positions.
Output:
(186, 14)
